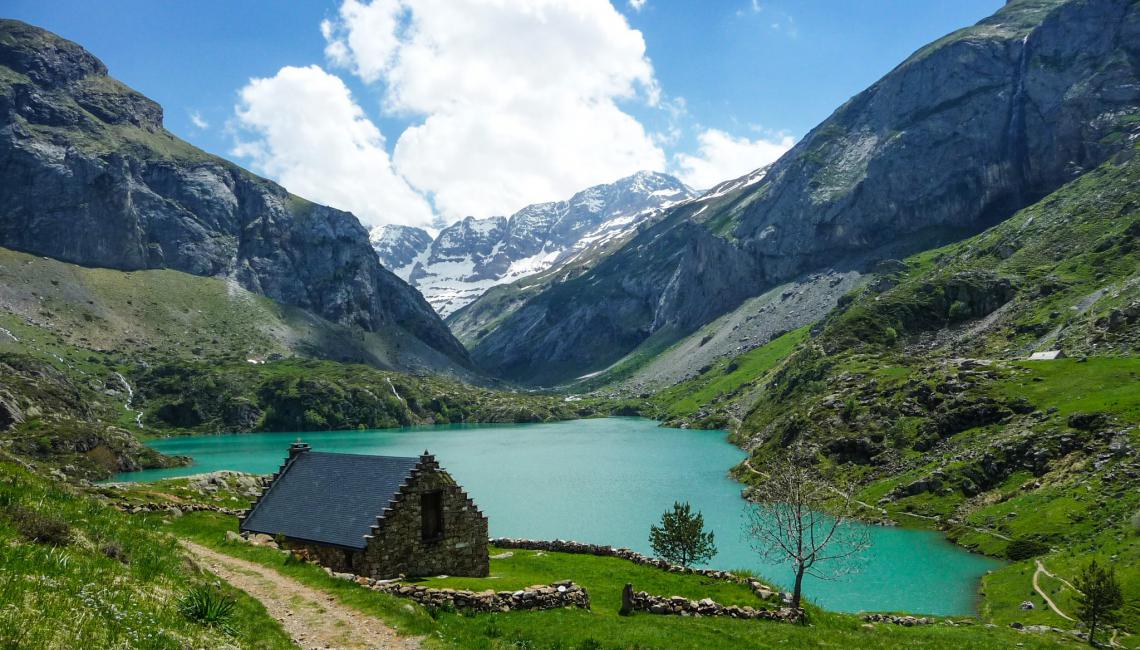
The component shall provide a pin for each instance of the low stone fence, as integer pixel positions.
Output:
(553, 596)
(762, 591)
(640, 601)
(895, 619)
(176, 509)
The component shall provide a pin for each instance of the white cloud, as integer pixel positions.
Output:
(636, 5)
(197, 120)
(518, 98)
(303, 128)
(722, 157)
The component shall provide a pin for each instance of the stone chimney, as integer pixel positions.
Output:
(297, 448)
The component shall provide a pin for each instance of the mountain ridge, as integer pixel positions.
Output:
(472, 255)
(89, 175)
(1042, 87)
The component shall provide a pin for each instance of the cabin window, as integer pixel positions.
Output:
(431, 511)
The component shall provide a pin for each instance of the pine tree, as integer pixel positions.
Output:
(1100, 599)
(681, 538)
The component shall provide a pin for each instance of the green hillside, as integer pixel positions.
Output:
(918, 386)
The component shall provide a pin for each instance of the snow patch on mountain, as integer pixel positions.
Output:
(473, 255)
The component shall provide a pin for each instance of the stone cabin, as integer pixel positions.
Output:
(374, 516)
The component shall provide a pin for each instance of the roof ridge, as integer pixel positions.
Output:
(338, 453)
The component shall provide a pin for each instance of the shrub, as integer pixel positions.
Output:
(959, 311)
(114, 551)
(208, 606)
(39, 527)
(1023, 549)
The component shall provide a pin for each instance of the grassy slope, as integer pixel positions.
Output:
(880, 394)
(602, 627)
(170, 315)
(124, 601)
(725, 380)
(183, 343)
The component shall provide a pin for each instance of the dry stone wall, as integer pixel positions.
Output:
(640, 601)
(553, 596)
(568, 546)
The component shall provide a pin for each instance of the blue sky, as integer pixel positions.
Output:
(755, 74)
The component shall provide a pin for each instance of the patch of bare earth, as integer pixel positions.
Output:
(314, 619)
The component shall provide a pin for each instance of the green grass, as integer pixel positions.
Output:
(602, 627)
(112, 581)
(1104, 384)
(728, 376)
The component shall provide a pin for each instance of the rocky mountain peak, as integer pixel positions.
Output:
(472, 255)
(959, 136)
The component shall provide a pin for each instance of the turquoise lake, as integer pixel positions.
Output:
(606, 481)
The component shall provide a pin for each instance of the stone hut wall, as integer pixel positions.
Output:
(397, 547)
(336, 558)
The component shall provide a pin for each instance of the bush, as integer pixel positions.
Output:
(1023, 549)
(114, 551)
(208, 606)
(39, 527)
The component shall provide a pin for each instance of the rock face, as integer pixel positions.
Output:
(399, 247)
(472, 255)
(960, 135)
(88, 175)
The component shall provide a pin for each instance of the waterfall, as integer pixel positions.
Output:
(393, 387)
(130, 399)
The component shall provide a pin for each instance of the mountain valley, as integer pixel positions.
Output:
(933, 298)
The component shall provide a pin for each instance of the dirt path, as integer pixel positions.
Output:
(312, 618)
(1041, 592)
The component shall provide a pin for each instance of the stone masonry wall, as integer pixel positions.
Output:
(583, 548)
(640, 601)
(335, 558)
(396, 546)
(553, 596)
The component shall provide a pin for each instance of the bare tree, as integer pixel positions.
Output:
(800, 518)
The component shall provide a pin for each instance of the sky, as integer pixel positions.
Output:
(421, 112)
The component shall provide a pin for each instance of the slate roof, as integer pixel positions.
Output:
(329, 498)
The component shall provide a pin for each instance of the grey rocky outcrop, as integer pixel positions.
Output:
(959, 136)
(89, 175)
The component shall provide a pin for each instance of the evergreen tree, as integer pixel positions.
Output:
(1100, 599)
(681, 538)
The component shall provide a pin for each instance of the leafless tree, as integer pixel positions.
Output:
(800, 518)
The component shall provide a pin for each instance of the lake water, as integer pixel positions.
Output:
(606, 481)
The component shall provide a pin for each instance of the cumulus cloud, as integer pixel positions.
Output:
(722, 157)
(303, 128)
(514, 101)
(636, 5)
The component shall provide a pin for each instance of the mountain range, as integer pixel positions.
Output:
(472, 255)
(868, 305)
(956, 138)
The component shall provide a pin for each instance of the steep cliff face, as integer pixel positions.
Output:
(89, 175)
(959, 136)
